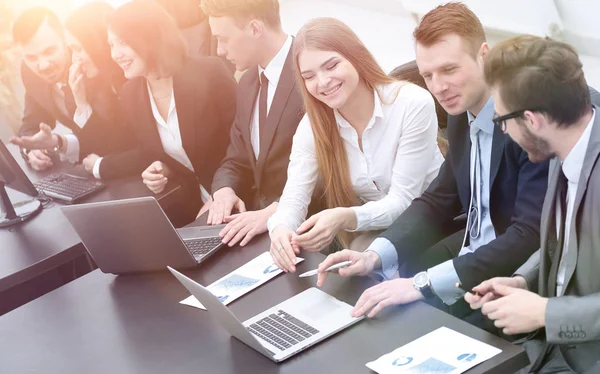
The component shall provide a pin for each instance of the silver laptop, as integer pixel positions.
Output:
(135, 235)
(285, 329)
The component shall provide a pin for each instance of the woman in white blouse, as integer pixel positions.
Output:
(370, 139)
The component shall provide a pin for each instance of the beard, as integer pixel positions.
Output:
(537, 148)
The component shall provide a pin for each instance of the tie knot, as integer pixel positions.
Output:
(263, 79)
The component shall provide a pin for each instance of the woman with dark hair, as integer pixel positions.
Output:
(180, 108)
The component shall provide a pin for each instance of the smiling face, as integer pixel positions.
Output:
(132, 64)
(46, 54)
(521, 130)
(453, 75)
(81, 57)
(328, 76)
(236, 44)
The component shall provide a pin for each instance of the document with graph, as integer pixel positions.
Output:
(242, 280)
(442, 351)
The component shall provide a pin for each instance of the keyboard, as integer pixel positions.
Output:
(282, 330)
(202, 246)
(67, 188)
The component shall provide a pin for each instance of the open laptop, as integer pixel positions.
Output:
(285, 329)
(135, 235)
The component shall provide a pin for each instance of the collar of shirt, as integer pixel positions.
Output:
(483, 121)
(377, 111)
(573, 163)
(275, 66)
(161, 121)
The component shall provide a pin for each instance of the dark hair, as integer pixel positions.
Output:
(28, 23)
(451, 18)
(186, 13)
(89, 24)
(539, 74)
(149, 30)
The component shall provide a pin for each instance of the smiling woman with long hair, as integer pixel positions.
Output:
(370, 138)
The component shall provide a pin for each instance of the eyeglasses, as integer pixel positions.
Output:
(500, 121)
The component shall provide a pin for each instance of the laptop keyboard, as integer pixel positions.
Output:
(202, 246)
(66, 187)
(282, 330)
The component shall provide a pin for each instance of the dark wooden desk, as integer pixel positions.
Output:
(102, 323)
(44, 252)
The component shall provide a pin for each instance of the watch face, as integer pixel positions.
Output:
(421, 279)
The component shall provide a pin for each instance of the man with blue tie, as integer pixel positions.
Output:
(485, 175)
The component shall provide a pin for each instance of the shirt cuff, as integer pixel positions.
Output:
(443, 278)
(96, 169)
(71, 153)
(82, 115)
(204, 195)
(388, 256)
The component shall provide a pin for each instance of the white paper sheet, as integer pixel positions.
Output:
(242, 280)
(443, 351)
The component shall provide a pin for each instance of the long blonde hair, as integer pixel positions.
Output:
(330, 34)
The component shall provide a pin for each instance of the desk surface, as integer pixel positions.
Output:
(48, 240)
(134, 324)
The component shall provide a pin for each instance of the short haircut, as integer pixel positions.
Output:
(452, 18)
(244, 10)
(29, 22)
(149, 30)
(539, 74)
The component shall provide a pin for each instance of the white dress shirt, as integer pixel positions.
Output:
(571, 167)
(170, 137)
(273, 73)
(399, 159)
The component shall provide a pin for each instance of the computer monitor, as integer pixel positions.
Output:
(11, 175)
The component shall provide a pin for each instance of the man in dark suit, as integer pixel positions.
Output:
(50, 97)
(556, 295)
(485, 174)
(269, 107)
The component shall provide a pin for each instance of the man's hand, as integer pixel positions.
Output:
(39, 160)
(77, 85)
(43, 139)
(89, 162)
(205, 207)
(516, 311)
(245, 226)
(320, 229)
(155, 177)
(392, 292)
(363, 263)
(282, 252)
(484, 292)
(225, 200)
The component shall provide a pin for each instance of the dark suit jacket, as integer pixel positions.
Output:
(102, 134)
(205, 102)
(517, 194)
(260, 182)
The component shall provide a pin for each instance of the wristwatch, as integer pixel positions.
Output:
(422, 283)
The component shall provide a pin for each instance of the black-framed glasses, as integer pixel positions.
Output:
(500, 121)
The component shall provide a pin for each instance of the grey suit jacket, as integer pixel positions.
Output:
(573, 320)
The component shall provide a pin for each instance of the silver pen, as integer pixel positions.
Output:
(331, 268)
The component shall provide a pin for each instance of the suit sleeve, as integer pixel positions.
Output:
(223, 87)
(235, 169)
(33, 115)
(573, 319)
(429, 218)
(502, 256)
(530, 270)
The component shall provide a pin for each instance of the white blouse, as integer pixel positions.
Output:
(399, 159)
